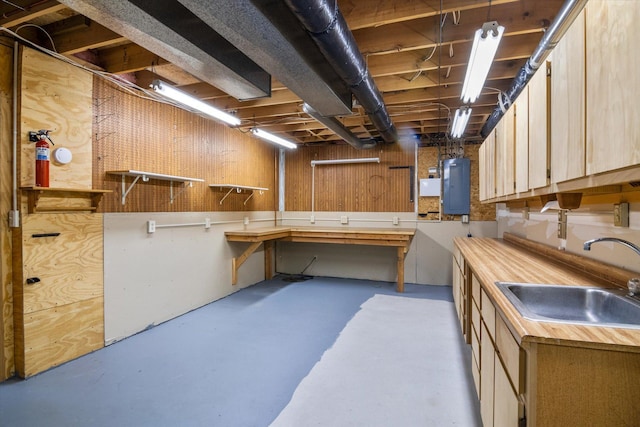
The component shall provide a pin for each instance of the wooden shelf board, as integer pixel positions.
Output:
(159, 176)
(241, 187)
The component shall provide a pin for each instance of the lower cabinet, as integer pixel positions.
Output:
(501, 365)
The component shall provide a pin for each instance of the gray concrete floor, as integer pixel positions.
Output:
(234, 362)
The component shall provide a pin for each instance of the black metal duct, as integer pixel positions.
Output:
(326, 25)
(567, 14)
(339, 129)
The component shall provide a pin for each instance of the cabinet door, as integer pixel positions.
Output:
(568, 105)
(521, 107)
(613, 85)
(487, 167)
(487, 367)
(538, 128)
(506, 405)
(505, 155)
(482, 189)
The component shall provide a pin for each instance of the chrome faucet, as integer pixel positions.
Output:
(634, 283)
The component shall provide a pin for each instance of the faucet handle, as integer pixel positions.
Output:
(634, 286)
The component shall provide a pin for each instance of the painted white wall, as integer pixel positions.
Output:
(582, 224)
(428, 260)
(151, 278)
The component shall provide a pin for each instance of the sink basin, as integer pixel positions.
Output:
(573, 304)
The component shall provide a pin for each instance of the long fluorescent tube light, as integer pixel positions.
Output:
(460, 120)
(343, 161)
(485, 45)
(273, 138)
(183, 98)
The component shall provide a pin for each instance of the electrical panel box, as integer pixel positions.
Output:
(456, 192)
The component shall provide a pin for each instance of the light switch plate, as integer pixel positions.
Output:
(344, 219)
(621, 215)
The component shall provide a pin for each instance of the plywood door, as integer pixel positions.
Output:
(568, 105)
(59, 295)
(521, 107)
(538, 129)
(613, 85)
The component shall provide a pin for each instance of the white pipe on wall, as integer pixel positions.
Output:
(14, 215)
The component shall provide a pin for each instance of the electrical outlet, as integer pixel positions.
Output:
(465, 219)
(344, 219)
(151, 226)
(246, 220)
(621, 215)
(207, 223)
(396, 220)
(312, 220)
(562, 224)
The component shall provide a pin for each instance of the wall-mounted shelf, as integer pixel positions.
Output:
(146, 176)
(35, 193)
(239, 189)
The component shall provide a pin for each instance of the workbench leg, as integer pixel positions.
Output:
(237, 262)
(401, 254)
(268, 259)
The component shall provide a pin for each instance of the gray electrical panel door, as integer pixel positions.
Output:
(456, 189)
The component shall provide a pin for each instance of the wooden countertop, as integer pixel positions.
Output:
(493, 260)
(270, 233)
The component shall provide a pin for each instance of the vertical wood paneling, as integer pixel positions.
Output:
(6, 308)
(539, 128)
(134, 133)
(365, 187)
(522, 141)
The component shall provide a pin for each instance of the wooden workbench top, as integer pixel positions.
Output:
(265, 231)
(493, 260)
(401, 236)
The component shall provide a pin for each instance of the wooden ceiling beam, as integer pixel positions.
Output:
(14, 17)
(128, 58)
(515, 47)
(374, 13)
(92, 36)
(521, 17)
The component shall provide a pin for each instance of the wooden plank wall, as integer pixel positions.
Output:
(364, 187)
(429, 207)
(6, 300)
(134, 133)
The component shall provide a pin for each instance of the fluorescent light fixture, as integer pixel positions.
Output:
(485, 45)
(187, 100)
(344, 161)
(272, 138)
(460, 120)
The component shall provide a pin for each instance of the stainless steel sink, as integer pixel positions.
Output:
(573, 304)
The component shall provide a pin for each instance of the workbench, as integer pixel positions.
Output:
(398, 238)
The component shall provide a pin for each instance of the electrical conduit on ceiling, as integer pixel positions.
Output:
(328, 28)
(566, 15)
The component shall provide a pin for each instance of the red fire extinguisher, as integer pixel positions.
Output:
(43, 155)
